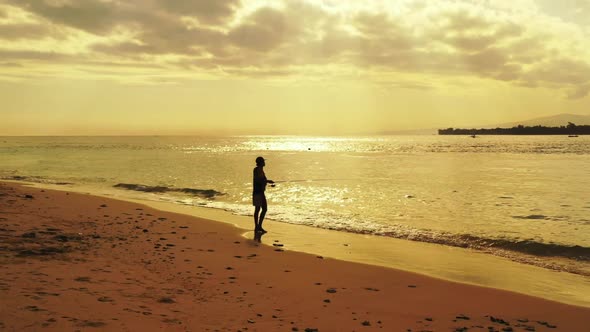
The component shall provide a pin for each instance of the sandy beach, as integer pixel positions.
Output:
(75, 262)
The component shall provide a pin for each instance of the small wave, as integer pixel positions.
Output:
(34, 179)
(542, 217)
(529, 247)
(205, 193)
(533, 216)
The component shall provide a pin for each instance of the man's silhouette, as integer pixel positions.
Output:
(259, 182)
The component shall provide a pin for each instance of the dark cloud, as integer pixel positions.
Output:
(89, 15)
(15, 55)
(528, 50)
(487, 60)
(206, 11)
(573, 75)
(125, 48)
(123, 64)
(381, 33)
(462, 20)
(159, 32)
(100, 17)
(263, 31)
(466, 32)
(180, 39)
(561, 71)
(173, 39)
(26, 31)
(333, 46)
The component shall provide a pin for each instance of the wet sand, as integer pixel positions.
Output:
(72, 262)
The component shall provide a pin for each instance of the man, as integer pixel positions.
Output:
(258, 198)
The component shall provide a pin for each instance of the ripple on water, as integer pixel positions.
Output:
(533, 217)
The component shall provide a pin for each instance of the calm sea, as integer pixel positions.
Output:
(522, 197)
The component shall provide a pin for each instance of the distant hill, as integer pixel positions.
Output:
(548, 121)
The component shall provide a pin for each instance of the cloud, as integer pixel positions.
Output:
(561, 71)
(172, 39)
(263, 31)
(102, 16)
(578, 92)
(10, 64)
(258, 73)
(568, 10)
(466, 32)
(574, 75)
(15, 55)
(88, 15)
(446, 39)
(25, 31)
(208, 11)
(458, 44)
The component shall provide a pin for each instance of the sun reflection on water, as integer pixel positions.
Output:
(295, 143)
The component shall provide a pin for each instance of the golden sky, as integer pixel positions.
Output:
(86, 67)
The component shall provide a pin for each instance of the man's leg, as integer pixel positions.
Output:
(261, 218)
(256, 212)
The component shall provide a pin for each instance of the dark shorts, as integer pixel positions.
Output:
(258, 199)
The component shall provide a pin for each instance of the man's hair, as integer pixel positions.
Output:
(259, 161)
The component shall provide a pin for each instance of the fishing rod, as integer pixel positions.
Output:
(286, 181)
(312, 180)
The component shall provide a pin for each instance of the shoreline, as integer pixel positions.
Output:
(460, 265)
(78, 262)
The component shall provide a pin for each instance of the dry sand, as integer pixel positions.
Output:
(74, 262)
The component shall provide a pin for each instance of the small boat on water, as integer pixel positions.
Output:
(473, 136)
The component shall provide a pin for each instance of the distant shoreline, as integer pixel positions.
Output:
(570, 129)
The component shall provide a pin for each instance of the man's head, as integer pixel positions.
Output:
(259, 161)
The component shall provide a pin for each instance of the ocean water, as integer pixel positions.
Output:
(522, 197)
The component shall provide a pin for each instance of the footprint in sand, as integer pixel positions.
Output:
(93, 324)
(105, 299)
(167, 300)
(34, 308)
(82, 279)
